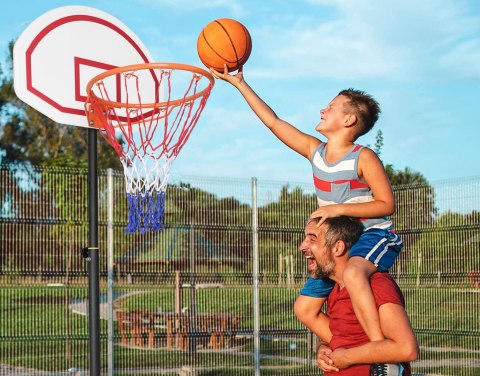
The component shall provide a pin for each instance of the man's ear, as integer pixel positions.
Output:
(339, 248)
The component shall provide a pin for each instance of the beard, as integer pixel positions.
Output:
(323, 270)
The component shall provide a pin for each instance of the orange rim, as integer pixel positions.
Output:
(137, 67)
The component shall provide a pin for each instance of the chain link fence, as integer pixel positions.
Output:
(183, 301)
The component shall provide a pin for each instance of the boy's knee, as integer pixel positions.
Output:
(358, 270)
(352, 273)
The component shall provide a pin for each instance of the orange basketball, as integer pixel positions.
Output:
(224, 41)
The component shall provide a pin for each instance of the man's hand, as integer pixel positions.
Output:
(339, 357)
(327, 211)
(323, 359)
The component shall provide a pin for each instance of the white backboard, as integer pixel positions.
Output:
(59, 52)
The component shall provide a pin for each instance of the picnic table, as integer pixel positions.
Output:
(141, 328)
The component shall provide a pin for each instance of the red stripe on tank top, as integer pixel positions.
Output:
(326, 186)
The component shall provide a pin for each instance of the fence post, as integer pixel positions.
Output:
(419, 266)
(192, 312)
(287, 269)
(255, 276)
(310, 347)
(280, 269)
(292, 271)
(110, 311)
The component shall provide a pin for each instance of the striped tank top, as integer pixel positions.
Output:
(339, 183)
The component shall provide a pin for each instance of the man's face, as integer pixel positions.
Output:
(319, 257)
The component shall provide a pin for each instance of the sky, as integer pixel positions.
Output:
(419, 59)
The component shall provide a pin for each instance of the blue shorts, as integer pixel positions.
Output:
(317, 287)
(381, 247)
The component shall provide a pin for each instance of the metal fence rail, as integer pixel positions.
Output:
(212, 294)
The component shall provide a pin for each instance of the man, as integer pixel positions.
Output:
(345, 348)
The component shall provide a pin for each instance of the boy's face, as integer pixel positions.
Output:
(333, 117)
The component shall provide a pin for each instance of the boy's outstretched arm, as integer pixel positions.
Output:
(302, 143)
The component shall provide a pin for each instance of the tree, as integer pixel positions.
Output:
(29, 137)
(415, 203)
(414, 196)
(378, 143)
(406, 177)
(190, 207)
(450, 248)
(415, 199)
(290, 211)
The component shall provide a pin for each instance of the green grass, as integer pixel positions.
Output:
(445, 313)
(33, 328)
(39, 311)
(276, 307)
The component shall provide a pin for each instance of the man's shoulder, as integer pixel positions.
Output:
(385, 289)
(380, 280)
(380, 277)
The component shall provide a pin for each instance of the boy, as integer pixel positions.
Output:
(350, 181)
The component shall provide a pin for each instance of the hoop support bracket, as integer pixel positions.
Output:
(86, 252)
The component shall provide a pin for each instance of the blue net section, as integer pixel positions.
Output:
(146, 181)
(145, 212)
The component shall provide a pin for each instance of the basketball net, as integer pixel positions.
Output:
(147, 112)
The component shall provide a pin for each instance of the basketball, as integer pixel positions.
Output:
(224, 41)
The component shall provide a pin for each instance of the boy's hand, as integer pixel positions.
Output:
(234, 79)
(323, 359)
(327, 211)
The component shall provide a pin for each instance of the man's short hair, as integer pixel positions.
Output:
(364, 107)
(343, 228)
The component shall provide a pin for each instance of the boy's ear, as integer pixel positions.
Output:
(351, 120)
(339, 248)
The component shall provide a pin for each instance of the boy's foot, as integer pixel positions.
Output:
(386, 369)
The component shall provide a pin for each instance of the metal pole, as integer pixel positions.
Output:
(110, 270)
(255, 276)
(92, 256)
(192, 347)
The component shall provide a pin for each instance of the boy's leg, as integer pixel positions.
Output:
(356, 278)
(376, 250)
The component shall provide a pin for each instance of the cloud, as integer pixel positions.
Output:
(233, 142)
(235, 8)
(464, 59)
(243, 158)
(364, 39)
(331, 51)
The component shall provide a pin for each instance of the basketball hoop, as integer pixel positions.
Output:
(147, 112)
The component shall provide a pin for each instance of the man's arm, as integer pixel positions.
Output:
(309, 311)
(324, 334)
(400, 344)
